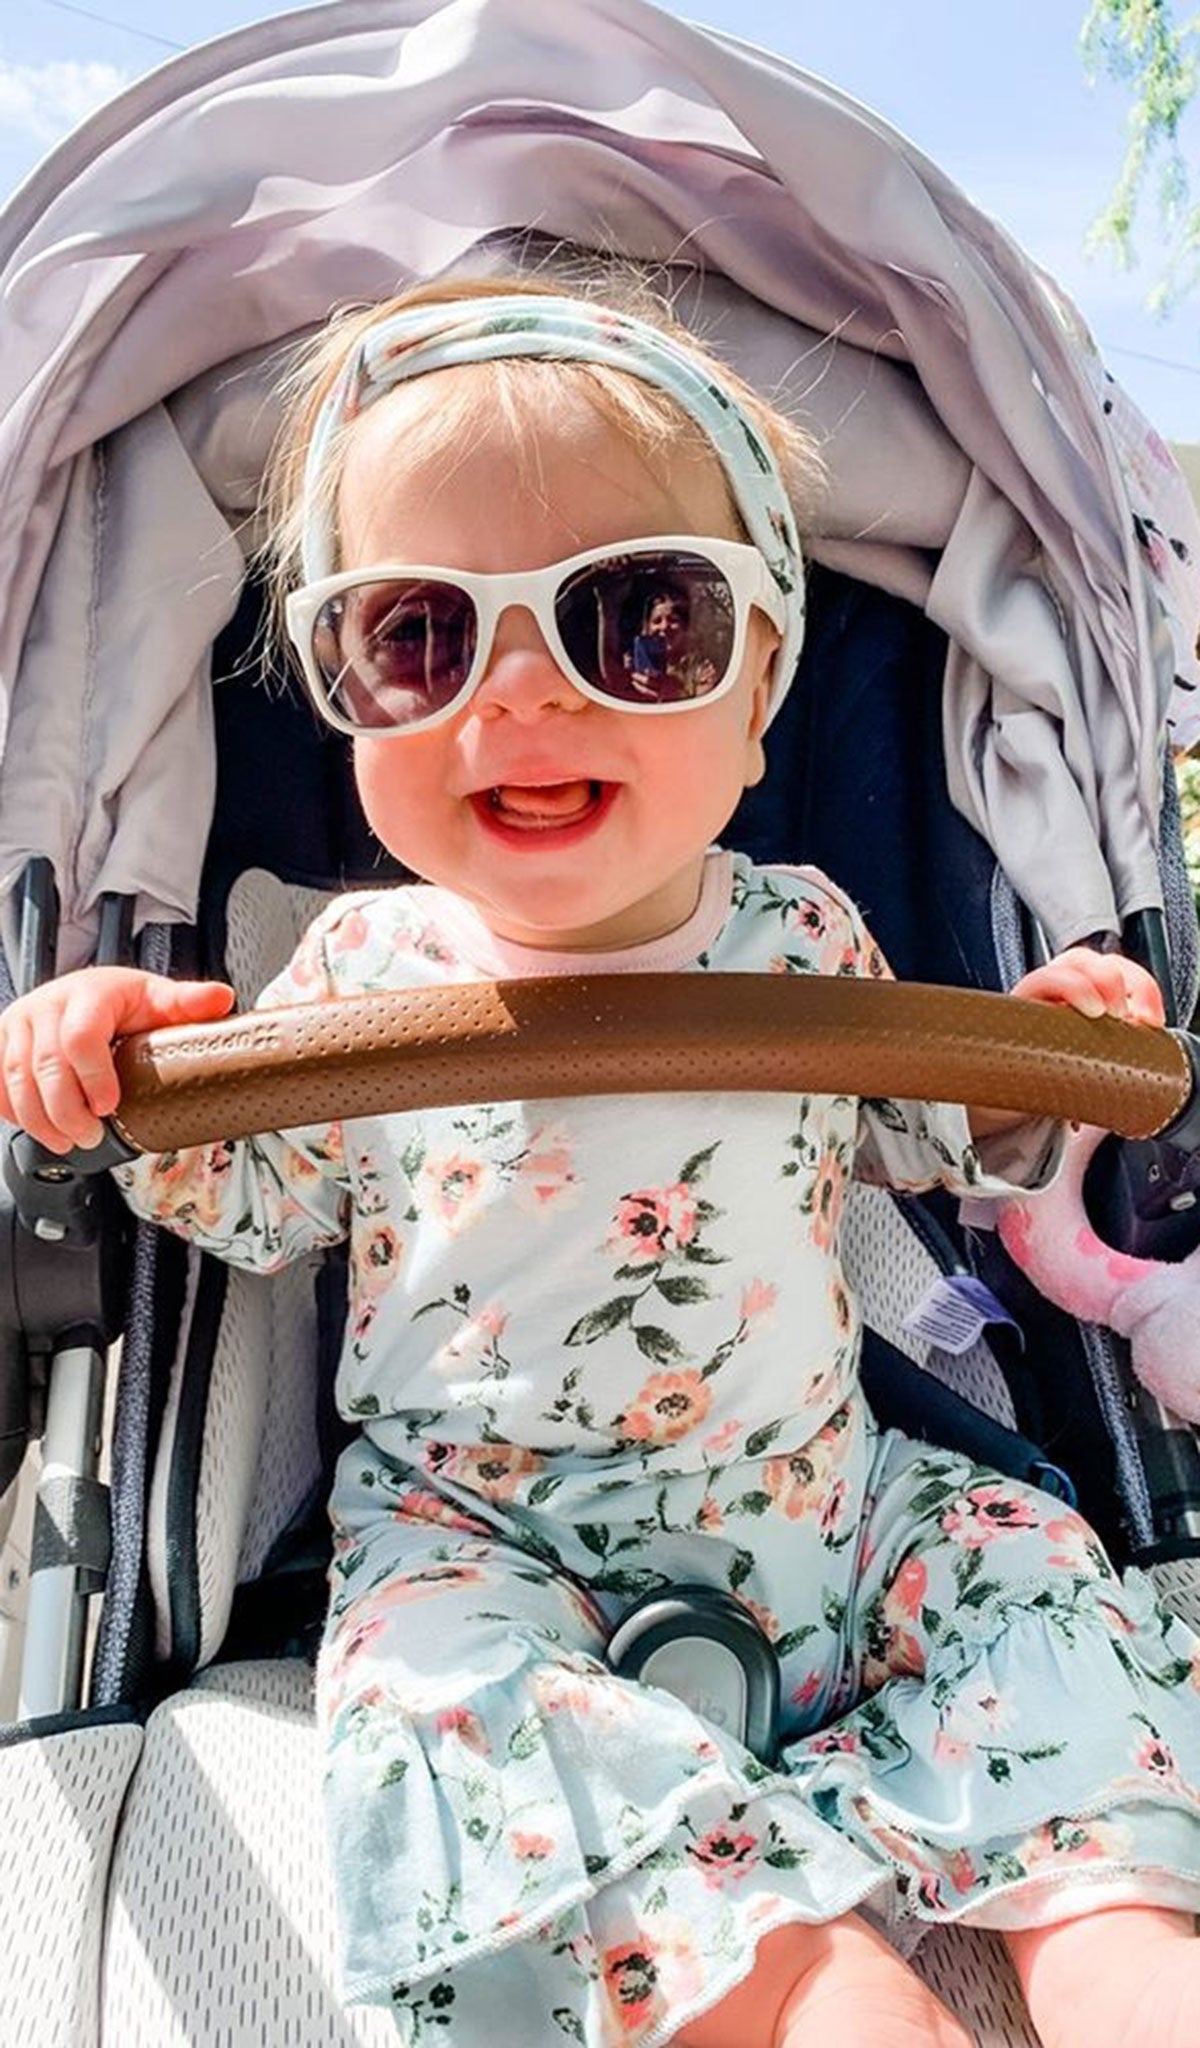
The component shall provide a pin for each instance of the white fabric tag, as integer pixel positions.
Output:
(955, 1311)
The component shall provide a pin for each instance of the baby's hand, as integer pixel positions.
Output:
(57, 1077)
(1098, 984)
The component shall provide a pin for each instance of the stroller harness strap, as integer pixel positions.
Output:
(620, 1034)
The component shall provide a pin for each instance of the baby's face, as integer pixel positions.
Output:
(566, 823)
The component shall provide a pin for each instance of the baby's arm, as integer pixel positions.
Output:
(1097, 985)
(57, 1077)
(257, 1204)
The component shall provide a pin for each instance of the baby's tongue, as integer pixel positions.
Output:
(556, 800)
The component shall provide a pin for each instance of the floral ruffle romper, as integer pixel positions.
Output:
(596, 1347)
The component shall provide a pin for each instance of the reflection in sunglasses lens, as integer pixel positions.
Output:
(649, 629)
(391, 653)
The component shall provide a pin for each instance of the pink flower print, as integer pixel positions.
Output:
(950, 1749)
(465, 1726)
(667, 1407)
(1156, 1756)
(840, 1307)
(979, 1709)
(827, 1200)
(653, 1222)
(376, 1261)
(960, 1870)
(454, 1186)
(929, 1890)
(810, 919)
(834, 1742)
(906, 1594)
(405, 1588)
(364, 1317)
(797, 1482)
(831, 1507)
(720, 1854)
(806, 1692)
(494, 1470)
(1078, 1549)
(1070, 1841)
(305, 967)
(984, 1513)
(905, 1655)
(709, 1516)
(350, 1643)
(631, 1981)
(777, 964)
(680, 1975)
(428, 946)
(529, 1848)
(419, 1506)
(465, 1349)
(546, 1171)
(768, 1622)
(758, 1301)
(349, 933)
(722, 1438)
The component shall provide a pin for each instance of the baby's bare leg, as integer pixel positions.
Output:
(840, 1982)
(1131, 1973)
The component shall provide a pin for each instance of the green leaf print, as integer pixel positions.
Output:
(678, 1288)
(568, 2023)
(750, 1504)
(657, 1344)
(760, 1440)
(792, 1638)
(396, 1770)
(526, 1738)
(697, 1166)
(598, 1322)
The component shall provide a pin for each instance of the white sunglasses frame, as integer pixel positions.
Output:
(742, 565)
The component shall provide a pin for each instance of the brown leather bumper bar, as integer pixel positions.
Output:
(642, 1034)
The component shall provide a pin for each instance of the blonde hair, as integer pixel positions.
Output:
(518, 389)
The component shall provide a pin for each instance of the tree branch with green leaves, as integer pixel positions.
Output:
(1142, 46)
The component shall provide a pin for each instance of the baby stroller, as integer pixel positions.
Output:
(975, 748)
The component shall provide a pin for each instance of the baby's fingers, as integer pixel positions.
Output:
(71, 1068)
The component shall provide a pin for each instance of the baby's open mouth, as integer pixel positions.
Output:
(546, 805)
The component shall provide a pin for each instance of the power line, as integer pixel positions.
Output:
(106, 20)
(1139, 355)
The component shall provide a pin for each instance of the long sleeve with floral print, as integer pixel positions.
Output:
(655, 1281)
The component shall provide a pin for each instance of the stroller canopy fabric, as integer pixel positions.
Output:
(981, 464)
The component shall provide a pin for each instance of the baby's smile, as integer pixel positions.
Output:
(544, 812)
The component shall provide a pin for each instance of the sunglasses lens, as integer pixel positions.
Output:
(655, 628)
(392, 652)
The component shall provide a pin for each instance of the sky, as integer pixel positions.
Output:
(995, 94)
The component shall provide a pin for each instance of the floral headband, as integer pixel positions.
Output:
(476, 330)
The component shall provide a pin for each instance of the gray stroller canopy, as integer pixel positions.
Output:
(153, 265)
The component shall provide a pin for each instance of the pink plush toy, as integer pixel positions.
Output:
(1156, 1305)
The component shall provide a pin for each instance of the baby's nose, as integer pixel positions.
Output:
(522, 678)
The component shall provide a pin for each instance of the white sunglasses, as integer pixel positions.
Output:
(654, 625)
